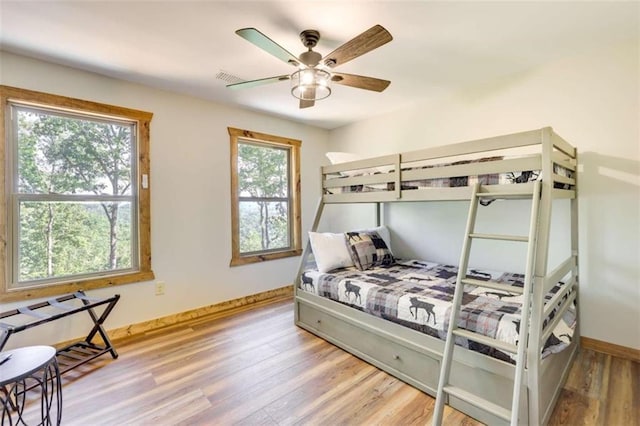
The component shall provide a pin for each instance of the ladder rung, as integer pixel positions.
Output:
(493, 285)
(500, 237)
(485, 340)
(514, 194)
(479, 402)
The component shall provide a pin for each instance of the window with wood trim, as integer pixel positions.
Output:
(76, 195)
(265, 192)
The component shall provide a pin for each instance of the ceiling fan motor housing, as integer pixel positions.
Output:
(310, 58)
(310, 38)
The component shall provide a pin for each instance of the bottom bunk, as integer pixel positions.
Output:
(407, 310)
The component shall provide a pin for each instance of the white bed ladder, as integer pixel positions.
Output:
(444, 387)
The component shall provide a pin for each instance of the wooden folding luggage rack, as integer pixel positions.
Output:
(75, 354)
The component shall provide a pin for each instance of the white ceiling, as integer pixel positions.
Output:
(438, 47)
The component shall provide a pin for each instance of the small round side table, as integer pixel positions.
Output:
(30, 368)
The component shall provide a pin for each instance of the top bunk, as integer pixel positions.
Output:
(507, 164)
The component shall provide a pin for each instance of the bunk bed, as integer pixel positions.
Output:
(330, 305)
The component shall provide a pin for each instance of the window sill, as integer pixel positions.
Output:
(245, 260)
(71, 287)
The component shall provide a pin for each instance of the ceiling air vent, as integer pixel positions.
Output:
(228, 77)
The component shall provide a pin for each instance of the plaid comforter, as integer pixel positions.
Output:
(418, 294)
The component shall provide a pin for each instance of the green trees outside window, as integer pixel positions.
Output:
(263, 178)
(75, 210)
(265, 188)
(73, 196)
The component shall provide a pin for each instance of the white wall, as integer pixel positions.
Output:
(190, 195)
(592, 100)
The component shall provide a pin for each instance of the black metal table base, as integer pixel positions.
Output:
(34, 398)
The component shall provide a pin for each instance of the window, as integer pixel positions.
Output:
(76, 199)
(265, 205)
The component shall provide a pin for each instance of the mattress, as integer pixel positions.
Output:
(418, 294)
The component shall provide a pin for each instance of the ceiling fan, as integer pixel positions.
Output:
(311, 81)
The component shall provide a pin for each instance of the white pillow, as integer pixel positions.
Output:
(330, 251)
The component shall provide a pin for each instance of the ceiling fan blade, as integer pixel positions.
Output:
(265, 43)
(259, 82)
(360, 81)
(371, 39)
(307, 103)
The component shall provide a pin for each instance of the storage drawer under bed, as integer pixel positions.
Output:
(416, 367)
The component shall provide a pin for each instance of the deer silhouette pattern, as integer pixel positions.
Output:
(417, 304)
(306, 281)
(350, 289)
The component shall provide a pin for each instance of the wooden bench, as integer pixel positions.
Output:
(75, 354)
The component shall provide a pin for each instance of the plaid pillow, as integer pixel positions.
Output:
(368, 249)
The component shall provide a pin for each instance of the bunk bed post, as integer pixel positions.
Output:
(575, 244)
(534, 350)
(542, 254)
(305, 253)
(398, 181)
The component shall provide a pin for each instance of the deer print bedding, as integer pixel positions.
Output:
(418, 294)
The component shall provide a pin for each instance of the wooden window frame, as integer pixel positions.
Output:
(62, 103)
(293, 145)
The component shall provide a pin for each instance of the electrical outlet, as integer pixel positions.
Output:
(159, 288)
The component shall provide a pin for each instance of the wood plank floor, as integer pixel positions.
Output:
(256, 368)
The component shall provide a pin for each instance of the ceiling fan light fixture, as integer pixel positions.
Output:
(310, 84)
